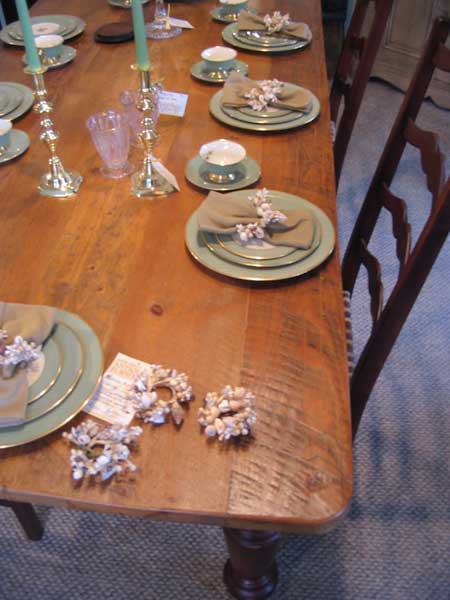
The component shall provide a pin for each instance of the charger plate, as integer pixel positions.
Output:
(281, 200)
(239, 115)
(229, 35)
(84, 389)
(215, 244)
(304, 119)
(70, 26)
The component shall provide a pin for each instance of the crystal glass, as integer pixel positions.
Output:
(160, 27)
(110, 132)
(128, 100)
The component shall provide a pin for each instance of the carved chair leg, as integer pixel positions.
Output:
(251, 571)
(28, 518)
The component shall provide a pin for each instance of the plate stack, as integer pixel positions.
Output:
(260, 41)
(15, 100)
(66, 26)
(271, 119)
(259, 260)
(73, 364)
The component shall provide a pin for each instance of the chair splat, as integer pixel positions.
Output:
(373, 269)
(400, 225)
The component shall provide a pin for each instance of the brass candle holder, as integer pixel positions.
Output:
(147, 181)
(58, 182)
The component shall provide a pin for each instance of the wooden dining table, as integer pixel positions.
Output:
(120, 263)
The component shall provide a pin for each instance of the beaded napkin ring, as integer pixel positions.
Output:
(229, 414)
(19, 354)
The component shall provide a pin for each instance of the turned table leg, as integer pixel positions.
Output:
(28, 518)
(251, 571)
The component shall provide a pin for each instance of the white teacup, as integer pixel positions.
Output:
(5, 134)
(232, 7)
(50, 46)
(222, 158)
(218, 58)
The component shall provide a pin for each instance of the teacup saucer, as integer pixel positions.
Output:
(67, 55)
(198, 71)
(19, 142)
(218, 15)
(247, 172)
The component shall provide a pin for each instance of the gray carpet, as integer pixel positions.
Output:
(396, 541)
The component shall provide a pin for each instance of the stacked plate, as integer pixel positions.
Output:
(260, 41)
(272, 119)
(258, 260)
(15, 100)
(73, 364)
(65, 25)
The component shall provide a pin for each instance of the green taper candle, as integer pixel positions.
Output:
(140, 39)
(34, 64)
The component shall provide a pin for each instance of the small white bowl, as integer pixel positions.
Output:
(222, 158)
(219, 58)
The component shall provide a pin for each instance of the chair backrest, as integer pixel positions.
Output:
(416, 263)
(358, 55)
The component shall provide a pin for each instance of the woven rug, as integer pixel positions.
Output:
(395, 543)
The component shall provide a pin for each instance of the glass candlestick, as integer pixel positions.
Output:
(160, 28)
(58, 182)
(147, 181)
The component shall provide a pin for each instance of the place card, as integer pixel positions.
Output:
(172, 103)
(181, 23)
(111, 401)
(168, 176)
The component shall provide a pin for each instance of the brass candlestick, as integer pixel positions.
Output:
(58, 182)
(147, 181)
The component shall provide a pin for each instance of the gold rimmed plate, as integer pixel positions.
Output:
(202, 254)
(230, 34)
(78, 397)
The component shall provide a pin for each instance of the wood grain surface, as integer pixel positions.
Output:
(111, 258)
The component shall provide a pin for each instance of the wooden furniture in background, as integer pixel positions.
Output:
(415, 264)
(406, 35)
(121, 264)
(353, 72)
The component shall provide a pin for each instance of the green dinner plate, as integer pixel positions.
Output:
(19, 143)
(202, 254)
(218, 15)
(198, 71)
(257, 38)
(247, 173)
(52, 370)
(304, 119)
(71, 370)
(71, 26)
(270, 113)
(21, 92)
(228, 34)
(75, 401)
(4, 101)
(214, 244)
(13, 95)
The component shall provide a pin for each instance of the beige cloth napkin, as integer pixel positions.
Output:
(220, 213)
(34, 324)
(250, 22)
(291, 98)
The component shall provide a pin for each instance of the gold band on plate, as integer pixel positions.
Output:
(53, 381)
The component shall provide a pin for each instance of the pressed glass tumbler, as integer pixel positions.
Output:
(110, 133)
(128, 100)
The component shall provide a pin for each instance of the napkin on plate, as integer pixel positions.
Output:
(220, 213)
(33, 324)
(250, 22)
(237, 85)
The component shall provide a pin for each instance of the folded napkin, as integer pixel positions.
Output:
(220, 213)
(237, 85)
(33, 324)
(250, 22)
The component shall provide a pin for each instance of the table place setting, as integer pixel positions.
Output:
(13, 142)
(217, 63)
(265, 106)
(67, 26)
(15, 100)
(228, 11)
(259, 235)
(70, 363)
(269, 33)
(222, 165)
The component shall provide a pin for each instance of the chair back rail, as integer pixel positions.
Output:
(416, 263)
(364, 50)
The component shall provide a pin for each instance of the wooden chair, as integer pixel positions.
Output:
(350, 89)
(415, 263)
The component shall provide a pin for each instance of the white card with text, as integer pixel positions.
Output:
(172, 103)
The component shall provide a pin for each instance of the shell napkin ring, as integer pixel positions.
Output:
(100, 450)
(229, 414)
(149, 406)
